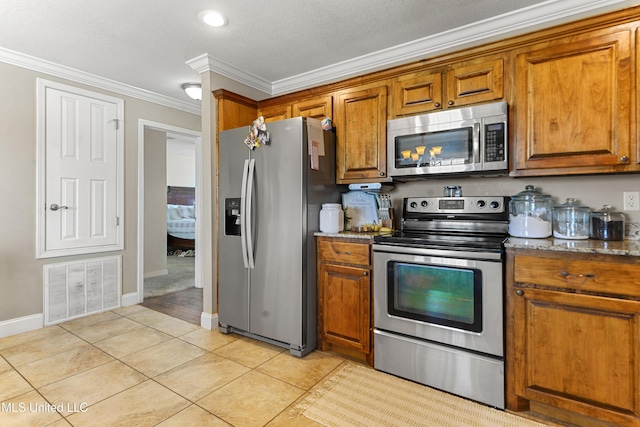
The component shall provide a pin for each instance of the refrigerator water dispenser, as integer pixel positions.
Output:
(232, 217)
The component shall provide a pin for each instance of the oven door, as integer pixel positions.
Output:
(440, 296)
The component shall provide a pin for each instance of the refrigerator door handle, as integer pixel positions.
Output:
(248, 216)
(243, 210)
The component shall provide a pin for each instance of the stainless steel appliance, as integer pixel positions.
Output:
(270, 200)
(438, 296)
(469, 140)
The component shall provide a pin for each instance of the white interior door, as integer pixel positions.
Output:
(82, 184)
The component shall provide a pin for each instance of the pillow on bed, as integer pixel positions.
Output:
(186, 211)
(173, 213)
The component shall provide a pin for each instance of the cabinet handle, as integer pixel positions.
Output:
(365, 273)
(343, 253)
(451, 102)
(437, 105)
(519, 292)
(566, 275)
(381, 173)
(624, 159)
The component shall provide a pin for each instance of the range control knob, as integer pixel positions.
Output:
(494, 205)
(481, 203)
(413, 205)
(424, 203)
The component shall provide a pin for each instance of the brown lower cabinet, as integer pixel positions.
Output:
(344, 297)
(573, 336)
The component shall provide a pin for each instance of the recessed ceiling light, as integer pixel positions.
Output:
(213, 18)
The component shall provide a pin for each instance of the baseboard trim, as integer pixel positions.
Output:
(209, 321)
(130, 299)
(158, 273)
(21, 324)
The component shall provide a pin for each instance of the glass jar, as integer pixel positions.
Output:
(571, 220)
(606, 224)
(331, 218)
(530, 214)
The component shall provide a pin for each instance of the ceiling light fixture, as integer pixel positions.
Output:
(213, 18)
(193, 90)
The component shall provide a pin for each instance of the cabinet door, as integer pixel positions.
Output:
(578, 352)
(573, 106)
(470, 83)
(416, 93)
(344, 306)
(317, 108)
(275, 112)
(233, 110)
(361, 124)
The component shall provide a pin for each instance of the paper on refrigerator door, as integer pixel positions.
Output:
(315, 133)
(315, 159)
(315, 141)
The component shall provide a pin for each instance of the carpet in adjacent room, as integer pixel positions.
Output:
(181, 276)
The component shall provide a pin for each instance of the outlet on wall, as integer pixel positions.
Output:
(631, 200)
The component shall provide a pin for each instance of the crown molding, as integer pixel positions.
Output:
(206, 62)
(53, 69)
(538, 16)
(551, 12)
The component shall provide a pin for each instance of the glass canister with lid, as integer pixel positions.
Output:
(607, 224)
(530, 214)
(571, 220)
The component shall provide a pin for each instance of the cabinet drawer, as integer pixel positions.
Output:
(345, 252)
(585, 275)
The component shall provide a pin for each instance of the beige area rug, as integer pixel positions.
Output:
(363, 397)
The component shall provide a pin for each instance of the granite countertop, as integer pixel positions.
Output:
(350, 234)
(625, 247)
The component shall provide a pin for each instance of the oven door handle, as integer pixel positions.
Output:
(410, 250)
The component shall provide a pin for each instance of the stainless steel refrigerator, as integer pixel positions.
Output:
(269, 205)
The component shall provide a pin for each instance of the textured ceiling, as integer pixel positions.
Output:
(146, 43)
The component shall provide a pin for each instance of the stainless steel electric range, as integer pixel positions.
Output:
(438, 296)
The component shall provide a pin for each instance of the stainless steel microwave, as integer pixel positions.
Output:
(470, 140)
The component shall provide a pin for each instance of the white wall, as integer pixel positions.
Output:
(21, 282)
(181, 162)
(155, 203)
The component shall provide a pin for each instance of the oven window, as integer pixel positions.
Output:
(448, 296)
(450, 147)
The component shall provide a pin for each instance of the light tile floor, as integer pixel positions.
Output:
(136, 367)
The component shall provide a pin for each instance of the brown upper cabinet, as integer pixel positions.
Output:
(361, 126)
(574, 104)
(453, 86)
(233, 110)
(274, 113)
(317, 108)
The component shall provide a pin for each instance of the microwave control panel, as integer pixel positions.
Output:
(494, 143)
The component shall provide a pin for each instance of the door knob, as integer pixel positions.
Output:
(55, 207)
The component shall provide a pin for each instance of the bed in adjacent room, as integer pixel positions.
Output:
(181, 218)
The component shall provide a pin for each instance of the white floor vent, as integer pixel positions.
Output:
(77, 288)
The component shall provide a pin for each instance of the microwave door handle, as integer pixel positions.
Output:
(476, 143)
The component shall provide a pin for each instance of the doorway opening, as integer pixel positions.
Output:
(169, 277)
